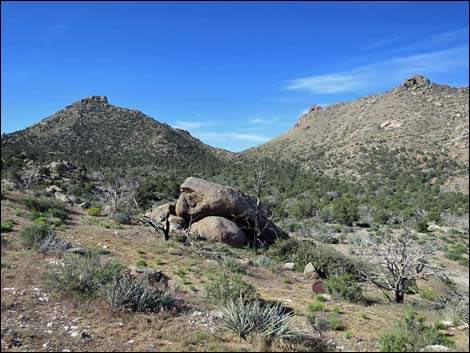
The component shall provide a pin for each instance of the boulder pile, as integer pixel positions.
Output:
(217, 213)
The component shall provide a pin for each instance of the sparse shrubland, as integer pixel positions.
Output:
(225, 287)
(82, 276)
(412, 335)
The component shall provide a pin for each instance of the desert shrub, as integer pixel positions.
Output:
(7, 226)
(344, 287)
(82, 275)
(227, 287)
(319, 322)
(266, 319)
(411, 335)
(54, 244)
(128, 294)
(233, 265)
(33, 236)
(45, 207)
(456, 309)
(94, 211)
(456, 252)
(326, 260)
(320, 298)
(122, 217)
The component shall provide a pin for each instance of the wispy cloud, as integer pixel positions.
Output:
(262, 121)
(188, 124)
(450, 36)
(384, 73)
(223, 136)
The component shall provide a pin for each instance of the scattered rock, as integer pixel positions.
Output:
(290, 266)
(391, 124)
(53, 189)
(309, 270)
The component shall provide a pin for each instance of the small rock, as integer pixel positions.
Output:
(130, 342)
(289, 266)
(74, 334)
(435, 348)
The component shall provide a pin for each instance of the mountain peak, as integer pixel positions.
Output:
(416, 81)
(93, 100)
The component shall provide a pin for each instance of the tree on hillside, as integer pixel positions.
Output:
(397, 261)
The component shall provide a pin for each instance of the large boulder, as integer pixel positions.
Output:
(160, 213)
(219, 229)
(200, 198)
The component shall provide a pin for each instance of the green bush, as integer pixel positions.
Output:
(41, 220)
(315, 307)
(33, 236)
(141, 263)
(412, 335)
(82, 276)
(94, 211)
(227, 287)
(266, 319)
(45, 207)
(128, 294)
(7, 226)
(344, 287)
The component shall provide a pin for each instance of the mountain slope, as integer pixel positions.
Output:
(418, 121)
(95, 133)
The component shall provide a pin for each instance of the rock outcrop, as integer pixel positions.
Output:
(200, 198)
(217, 213)
(416, 81)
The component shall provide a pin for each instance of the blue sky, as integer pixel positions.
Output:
(234, 74)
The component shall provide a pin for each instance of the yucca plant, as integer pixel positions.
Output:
(268, 320)
(129, 294)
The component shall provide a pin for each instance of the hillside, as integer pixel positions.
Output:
(94, 133)
(417, 122)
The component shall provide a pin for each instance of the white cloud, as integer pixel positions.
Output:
(188, 124)
(384, 73)
(224, 136)
(262, 121)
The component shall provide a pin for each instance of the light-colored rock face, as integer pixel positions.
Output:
(219, 229)
(160, 213)
(62, 197)
(391, 124)
(53, 188)
(200, 198)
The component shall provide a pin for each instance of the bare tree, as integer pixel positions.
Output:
(260, 216)
(396, 261)
(121, 193)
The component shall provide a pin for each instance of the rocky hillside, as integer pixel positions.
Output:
(419, 121)
(94, 133)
